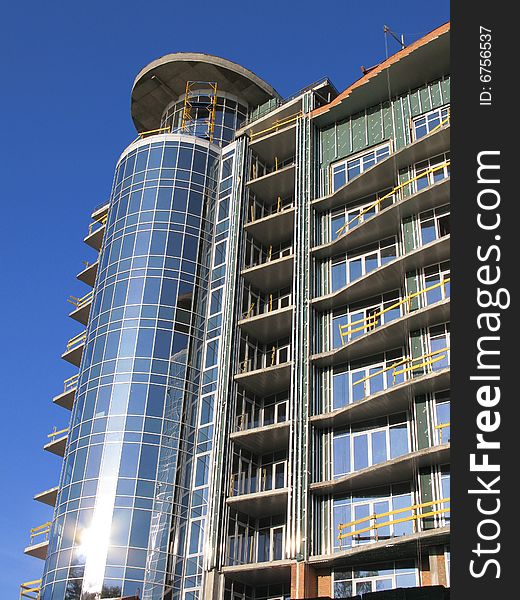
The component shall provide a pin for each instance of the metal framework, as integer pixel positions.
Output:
(414, 516)
(192, 106)
(31, 589)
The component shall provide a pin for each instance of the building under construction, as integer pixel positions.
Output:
(259, 403)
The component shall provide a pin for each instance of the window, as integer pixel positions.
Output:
(434, 224)
(434, 276)
(431, 171)
(353, 323)
(374, 578)
(369, 444)
(347, 269)
(352, 384)
(442, 417)
(365, 505)
(346, 218)
(428, 122)
(347, 169)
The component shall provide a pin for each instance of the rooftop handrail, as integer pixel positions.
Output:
(70, 383)
(397, 188)
(77, 340)
(277, 102)
(370, 322)
(413, 517)
(285, 122)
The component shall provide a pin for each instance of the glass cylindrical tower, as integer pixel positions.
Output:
(124, 487)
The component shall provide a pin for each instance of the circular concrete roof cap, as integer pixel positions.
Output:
(164, 80)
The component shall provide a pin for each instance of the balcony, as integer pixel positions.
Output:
(387, 277)
(279, 182)
(82, 307)
(263, 573)
(31, 589)
(391, 400)
(260, 504)
(278, 138)
(272, 274)
(268, 326)
(272, 229)
(259, 440)
(88, 275)
(96, 231)
(267, 380)
(39, 541)
(58, 442)
(402, 468)
(48, 496)
(74, 350)
(391, 335)
(395, 548)
(382, 175)
(386, 222)
(66, 398)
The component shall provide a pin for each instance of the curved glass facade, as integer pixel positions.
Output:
(131, 425)
(230, 114)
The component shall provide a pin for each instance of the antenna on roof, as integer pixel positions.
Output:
(400, 40)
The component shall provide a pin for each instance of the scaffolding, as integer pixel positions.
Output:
(196, 104)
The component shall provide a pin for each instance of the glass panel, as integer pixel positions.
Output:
(398, 440)
(360, 451)
(379, 447)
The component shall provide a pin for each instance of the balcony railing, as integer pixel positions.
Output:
(443, 433)
(272, 414)
(97, 224)
(40, 534)
(70, 383)
(266, 256)
(395, 195)
(439, 509)
(55, 433)
(76, 341)
(272, 358)
(269, 478)
(276, 126)
(260, 170)
(375, 319)
(31, 589)
(81, 302)
(260, 211)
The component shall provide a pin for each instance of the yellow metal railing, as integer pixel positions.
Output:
(285, 122)
(80, 302)
(101, 222)
(55, 433)
(76, 341)
(432, 356)
(70, 383)
(397, 188)
(442, 123)
(426, 360)
(369, 323)
(31, 589)
(41, 530)
(440, 429)
(375, 525)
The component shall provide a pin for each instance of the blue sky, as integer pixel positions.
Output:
(67, 70)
